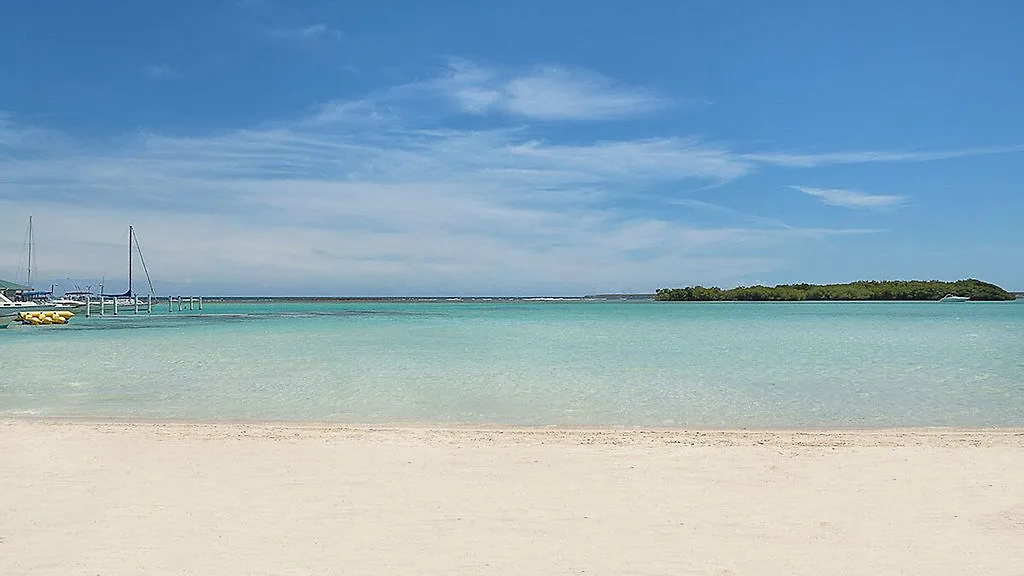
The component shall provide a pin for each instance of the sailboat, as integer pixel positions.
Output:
(45, 297)
(129, 297)
(25, 302)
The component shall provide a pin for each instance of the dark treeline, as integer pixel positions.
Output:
(864, 290)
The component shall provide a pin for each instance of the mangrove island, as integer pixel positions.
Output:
(863, 290)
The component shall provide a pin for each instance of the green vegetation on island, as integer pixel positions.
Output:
(864, 290)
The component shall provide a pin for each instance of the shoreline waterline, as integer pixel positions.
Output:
(830, 436)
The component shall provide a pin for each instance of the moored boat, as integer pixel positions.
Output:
(129, 297)
(32, 306)
(25, 310)
(11, 308)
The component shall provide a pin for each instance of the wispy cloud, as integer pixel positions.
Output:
(544, 93)
(160, 71)
(731, 212)
(18, 141)
(310, 32)
(378, 207)
(314, 31)
(557, 93)
(801, 160)
(371, 195)
(852, 198)
(341, 112)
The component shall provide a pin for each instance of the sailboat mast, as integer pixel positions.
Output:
(30, 242)
(131, 234)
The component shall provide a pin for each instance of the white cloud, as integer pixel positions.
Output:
(17, 141)
(160, 71)
(421, 248)
(313, 31)
(730, 212)
(557, 93)
(309, 33)
(800, 160)
(547, 93)
(852, 198)
(664, 158)
(374, 207)
(477, 100)
(372, 196)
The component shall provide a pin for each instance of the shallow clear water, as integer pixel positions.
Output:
(535, 363)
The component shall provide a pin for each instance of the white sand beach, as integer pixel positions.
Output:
(90, 498)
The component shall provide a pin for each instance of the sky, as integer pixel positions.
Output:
(526, 148)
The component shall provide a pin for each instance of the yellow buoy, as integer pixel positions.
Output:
(37, 317)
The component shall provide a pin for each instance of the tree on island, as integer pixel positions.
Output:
(863, 290)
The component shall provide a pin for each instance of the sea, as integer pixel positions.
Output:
(530, 363)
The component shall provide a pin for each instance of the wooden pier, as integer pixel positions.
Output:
(101, 304)
(185, 303)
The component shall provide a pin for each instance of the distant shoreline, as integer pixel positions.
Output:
(526, 299)
(609, 297)
(449, 299)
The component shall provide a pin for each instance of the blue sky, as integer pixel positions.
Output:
(515, 148)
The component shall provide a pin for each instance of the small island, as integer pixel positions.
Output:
(863, 290)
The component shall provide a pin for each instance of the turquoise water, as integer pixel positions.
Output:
(532, 363)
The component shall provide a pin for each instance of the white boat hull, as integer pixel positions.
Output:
(19, 307)
(10, 309)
